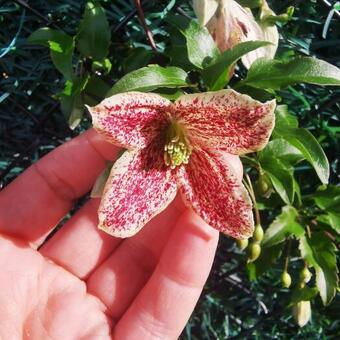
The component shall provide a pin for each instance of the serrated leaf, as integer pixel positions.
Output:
(268, 257)
(303, 140)
(201, 47)
(283, 226)
(150, 78)
(277, 74)
(93, 38)
(61, 48)
(319, 252)
(217, 74)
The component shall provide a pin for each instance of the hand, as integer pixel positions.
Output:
(82, 283)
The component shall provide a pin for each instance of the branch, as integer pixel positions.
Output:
(145, 26)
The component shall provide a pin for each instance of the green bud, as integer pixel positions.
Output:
(302, 312)
(258, 233)
(305, 275)
(264, 185)
(254, 251)
(286, 279)
(242, 244)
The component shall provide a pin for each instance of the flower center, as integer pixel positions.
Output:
(177, 149)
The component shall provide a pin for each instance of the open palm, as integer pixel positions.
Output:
(83, 283)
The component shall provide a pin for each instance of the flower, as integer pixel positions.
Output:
(230, 24)
(175, 146)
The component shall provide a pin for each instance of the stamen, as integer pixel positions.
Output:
(176, 149)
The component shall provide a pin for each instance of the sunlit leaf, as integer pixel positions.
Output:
(319, 252)
(283, 226)
(150, 78)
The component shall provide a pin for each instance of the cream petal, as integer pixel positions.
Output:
(226, 120)
(209, 186)
(130, 119)
(139, 187)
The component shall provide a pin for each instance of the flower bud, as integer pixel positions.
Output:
(286, 279)
(258, 233)
(302, 312)
(242, 244)
(305, 275)
(254, 251)
(264, 185)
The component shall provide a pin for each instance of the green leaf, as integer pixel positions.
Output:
(331, 219)
(217, 74)
(310, 148)
(283, 226)
(282, 150)
(281, 177)
(304, 294)
(328, 199)
(250, 3)
(150, 78)
(137, 58)
(97, 88)
(284, 118)
(93, 38)
(319, 252)
(72, 101)
(277, 74)
(268, 257)
(201, 47)
(61, 48)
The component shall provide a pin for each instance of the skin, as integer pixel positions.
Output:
(83, 283)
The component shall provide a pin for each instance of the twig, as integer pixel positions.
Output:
(25, 5)
(145, 26)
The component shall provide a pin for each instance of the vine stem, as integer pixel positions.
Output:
(145, 26)
(289, 247)
(248, 185)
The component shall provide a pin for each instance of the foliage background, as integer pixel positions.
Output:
(31, 124)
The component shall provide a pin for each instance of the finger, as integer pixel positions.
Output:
(119, 279)
(34, 203)
(79, 246)
(164, 305)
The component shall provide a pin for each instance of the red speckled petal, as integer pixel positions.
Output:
(130, 119)
(226, 120)
(139, 187)
(210, 187)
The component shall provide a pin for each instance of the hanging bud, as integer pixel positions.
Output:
(305, 275)
(302, 312)
(258, 233)
(254, 251)
(242, 244)
(286, 279)
(230, 24)
(264, 185)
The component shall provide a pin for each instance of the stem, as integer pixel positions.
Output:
(250, 189)
(145, 26)
(289, 247)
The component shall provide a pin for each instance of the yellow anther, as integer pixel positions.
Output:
(176, 150)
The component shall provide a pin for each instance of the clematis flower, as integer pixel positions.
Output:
(175, 146)
(230, 24)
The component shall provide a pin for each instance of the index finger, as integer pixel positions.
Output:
(35, 202)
